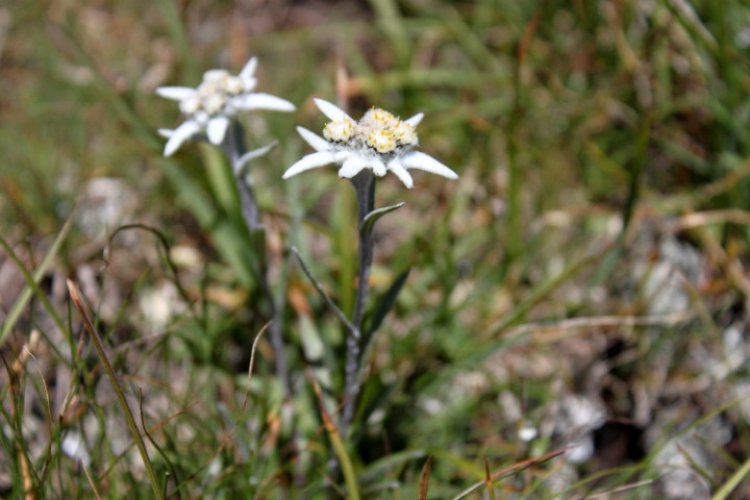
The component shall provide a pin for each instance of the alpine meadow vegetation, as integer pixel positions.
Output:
(375, 249)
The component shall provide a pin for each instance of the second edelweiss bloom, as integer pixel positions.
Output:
(379, 141)
(211, 107)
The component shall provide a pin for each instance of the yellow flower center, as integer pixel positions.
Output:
(339, 130)
(381, 140)
(405, 134)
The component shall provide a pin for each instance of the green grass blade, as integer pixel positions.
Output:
(99, 346)
(220, 178)
(732, 482)
(23, 299)
(345, 462)
(393, 28)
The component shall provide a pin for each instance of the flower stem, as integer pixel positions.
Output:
(235, 149)
(364, 185)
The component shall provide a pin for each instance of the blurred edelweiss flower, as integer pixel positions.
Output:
(379, 141)
(212, 106)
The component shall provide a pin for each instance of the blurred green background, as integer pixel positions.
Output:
(582, 286)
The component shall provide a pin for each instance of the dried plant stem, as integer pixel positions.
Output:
(364, 185)
(236, 151)
(509, 470)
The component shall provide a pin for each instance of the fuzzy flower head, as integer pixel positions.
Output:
(210, 108)
(379, 141)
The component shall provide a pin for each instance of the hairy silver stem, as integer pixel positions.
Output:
(364, 185)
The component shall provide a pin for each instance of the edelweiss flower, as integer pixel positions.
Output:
(379, 141)
(212, 106)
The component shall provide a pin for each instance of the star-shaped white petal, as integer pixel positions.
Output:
(217, 129)
(422, 161)
(181, 134)
(264, 101)
(332, 111)
(415, 120)
(307, 162)
(378, 167)
(352, 166)
(249, 70)
(313, 139)
(398, 169)
(175, 93)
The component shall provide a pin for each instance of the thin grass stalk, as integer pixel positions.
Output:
(99, 346)
(92, 484)
(510, 470)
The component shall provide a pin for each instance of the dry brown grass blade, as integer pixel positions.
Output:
(14, 376)
(28, 483)
(424, 479)
(525, 464)
(511, 469)
(732, 267)
(252, 362)
(26, 352)
(556, 330)
(488, 483)
(699, 219)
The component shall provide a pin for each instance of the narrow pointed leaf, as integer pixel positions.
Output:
(328, 300)
(370, 219)
(245, 159)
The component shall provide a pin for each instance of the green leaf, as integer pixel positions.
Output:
(370, 219)
(220, 178)
(344, 232)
